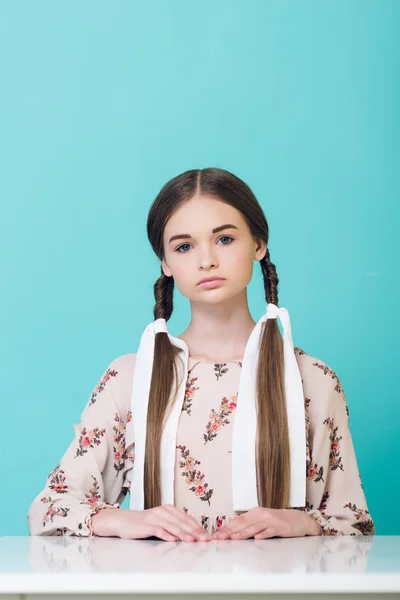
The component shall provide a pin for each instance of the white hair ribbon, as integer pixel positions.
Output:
(244, 479)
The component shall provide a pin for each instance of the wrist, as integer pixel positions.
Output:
(312, 526)
(107, 522)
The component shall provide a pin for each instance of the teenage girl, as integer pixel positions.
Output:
(208, 224)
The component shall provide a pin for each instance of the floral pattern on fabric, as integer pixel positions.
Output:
(220, 418)
(308, 453)
(57, 481)
(363, 518)
(315, 473)
(220, 369)
(194, 477)
(326, 370)
(100, 479)
(93, 496)
(189, 393)
(101, 386)
(89, 439)
(209, 524)
(119, 443)
(335, 460)
(53, 510)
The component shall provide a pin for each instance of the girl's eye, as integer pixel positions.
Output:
(226, 237)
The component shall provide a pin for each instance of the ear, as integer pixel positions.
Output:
(261, 250)
(165, 268)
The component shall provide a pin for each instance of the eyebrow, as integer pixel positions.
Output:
(187, 236)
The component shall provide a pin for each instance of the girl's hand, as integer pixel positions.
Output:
(262, 523)
(165, 522)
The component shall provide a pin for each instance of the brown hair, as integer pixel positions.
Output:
(273, 456)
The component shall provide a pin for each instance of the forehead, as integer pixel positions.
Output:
(201, 214)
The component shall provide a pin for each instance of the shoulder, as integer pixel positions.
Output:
(115, 385)
(124, 365)
(119, 373)
(316, 370)
(321, 385)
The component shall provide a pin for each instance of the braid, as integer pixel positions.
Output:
(164, 384)
(271, 279)
(163, 293)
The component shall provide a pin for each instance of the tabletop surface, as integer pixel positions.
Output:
(315, 563)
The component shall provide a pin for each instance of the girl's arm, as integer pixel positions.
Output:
(91, 474)
(335, 495)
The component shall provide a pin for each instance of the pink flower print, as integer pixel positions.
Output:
(335, 460)
(219, 521)
(93, 497)
(57, 482)
(219, 419)
(119, 443)
(315, 473)
(332, 531)
(101, 386)
(193, 476)
(365, 523)
(189, 394)
(89, 440)
(53, 511)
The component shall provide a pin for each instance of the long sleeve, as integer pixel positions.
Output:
(91, 474)
(334, 491)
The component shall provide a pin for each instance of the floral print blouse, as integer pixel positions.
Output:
(95, 471)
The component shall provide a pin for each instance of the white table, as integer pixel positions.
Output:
(321, 567)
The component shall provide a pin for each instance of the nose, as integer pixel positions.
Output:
(207, 259)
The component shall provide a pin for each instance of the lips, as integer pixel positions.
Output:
(210, 279)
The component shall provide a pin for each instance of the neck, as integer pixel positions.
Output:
(219, 332)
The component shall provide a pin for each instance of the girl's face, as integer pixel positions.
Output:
(199, 253)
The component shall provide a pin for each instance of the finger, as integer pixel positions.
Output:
(233, 526)
(181, 530)
(186, 522)
(163, 534)
(178, 532)
(173, 529)
(249, 531)
(182, 516)
(269, 532)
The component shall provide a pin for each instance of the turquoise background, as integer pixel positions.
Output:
(101, 103)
